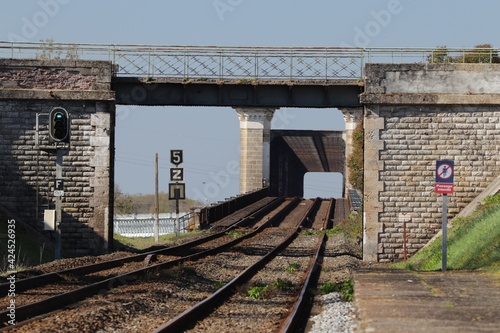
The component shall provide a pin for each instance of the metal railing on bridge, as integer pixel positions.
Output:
(243, 63)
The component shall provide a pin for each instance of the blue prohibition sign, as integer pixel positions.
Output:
(444, 172)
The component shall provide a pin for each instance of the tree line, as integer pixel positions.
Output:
(145, 203)
(482, 53)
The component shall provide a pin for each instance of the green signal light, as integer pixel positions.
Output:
(59, 126)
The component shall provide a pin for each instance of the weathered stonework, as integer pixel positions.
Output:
(83, 88)
(414, 114)
(255, 140)
(405, 135)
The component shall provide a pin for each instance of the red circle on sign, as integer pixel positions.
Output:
(444, 171)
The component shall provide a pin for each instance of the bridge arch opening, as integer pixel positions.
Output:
(323, 185)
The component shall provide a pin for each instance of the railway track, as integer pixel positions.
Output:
(263, 274)
(209, 279)
(39, 294)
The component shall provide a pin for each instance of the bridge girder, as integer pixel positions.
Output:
(233, 93)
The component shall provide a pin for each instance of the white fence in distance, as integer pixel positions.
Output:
(142, 225)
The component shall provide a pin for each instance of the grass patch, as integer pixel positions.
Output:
(282, 284)
(141, 243)
(351, 227)
(219, 284)
(473, 243)
(345, 288)
(257, 291)
(236, 234)
(310, 232)
(293, 267)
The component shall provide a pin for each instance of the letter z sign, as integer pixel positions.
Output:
(177, 174)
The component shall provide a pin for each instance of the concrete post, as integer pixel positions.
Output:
(255, 147)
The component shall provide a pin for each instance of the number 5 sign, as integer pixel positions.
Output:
(176, 157)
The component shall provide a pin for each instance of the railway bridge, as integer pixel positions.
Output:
(414, 113)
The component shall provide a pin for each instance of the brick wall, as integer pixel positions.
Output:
(27, 174)
(413, 140)
(410, 126)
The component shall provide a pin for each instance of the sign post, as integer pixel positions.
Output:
(59, 136)
(176, 191)
(444, 185)
(404, 217)
(58, 194)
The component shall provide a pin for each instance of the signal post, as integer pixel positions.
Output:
(177, 190)
(59, 133)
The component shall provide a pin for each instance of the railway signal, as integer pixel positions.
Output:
(59, 125)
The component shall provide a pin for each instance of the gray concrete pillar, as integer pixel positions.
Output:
(255, 147)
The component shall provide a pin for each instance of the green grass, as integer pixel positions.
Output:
(293, 267)
(236, 233)
(257, 291)
(351, 227)
(345, 288)
(283, 284)
(473, 243)
(141, 243)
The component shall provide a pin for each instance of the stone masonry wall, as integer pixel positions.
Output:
(255, 140)
(407, 128)
(27, 174)
(413, 140)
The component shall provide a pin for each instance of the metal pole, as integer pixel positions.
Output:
(444, 229)
(176, 226)
(59, 161)
(157, 203)
(404, 241)
(37, 203)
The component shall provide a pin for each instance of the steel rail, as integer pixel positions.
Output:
(59, 301)
(53, 277)
(294, 317)
(181, 322)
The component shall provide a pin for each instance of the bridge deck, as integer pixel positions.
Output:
(237, 92)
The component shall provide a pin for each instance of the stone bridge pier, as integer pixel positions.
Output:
(255, 147)
(416, 114)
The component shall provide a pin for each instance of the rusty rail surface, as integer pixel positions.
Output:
(181, 322)
(58, 301)
(290, 324)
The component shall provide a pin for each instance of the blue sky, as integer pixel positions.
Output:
(210, 136)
